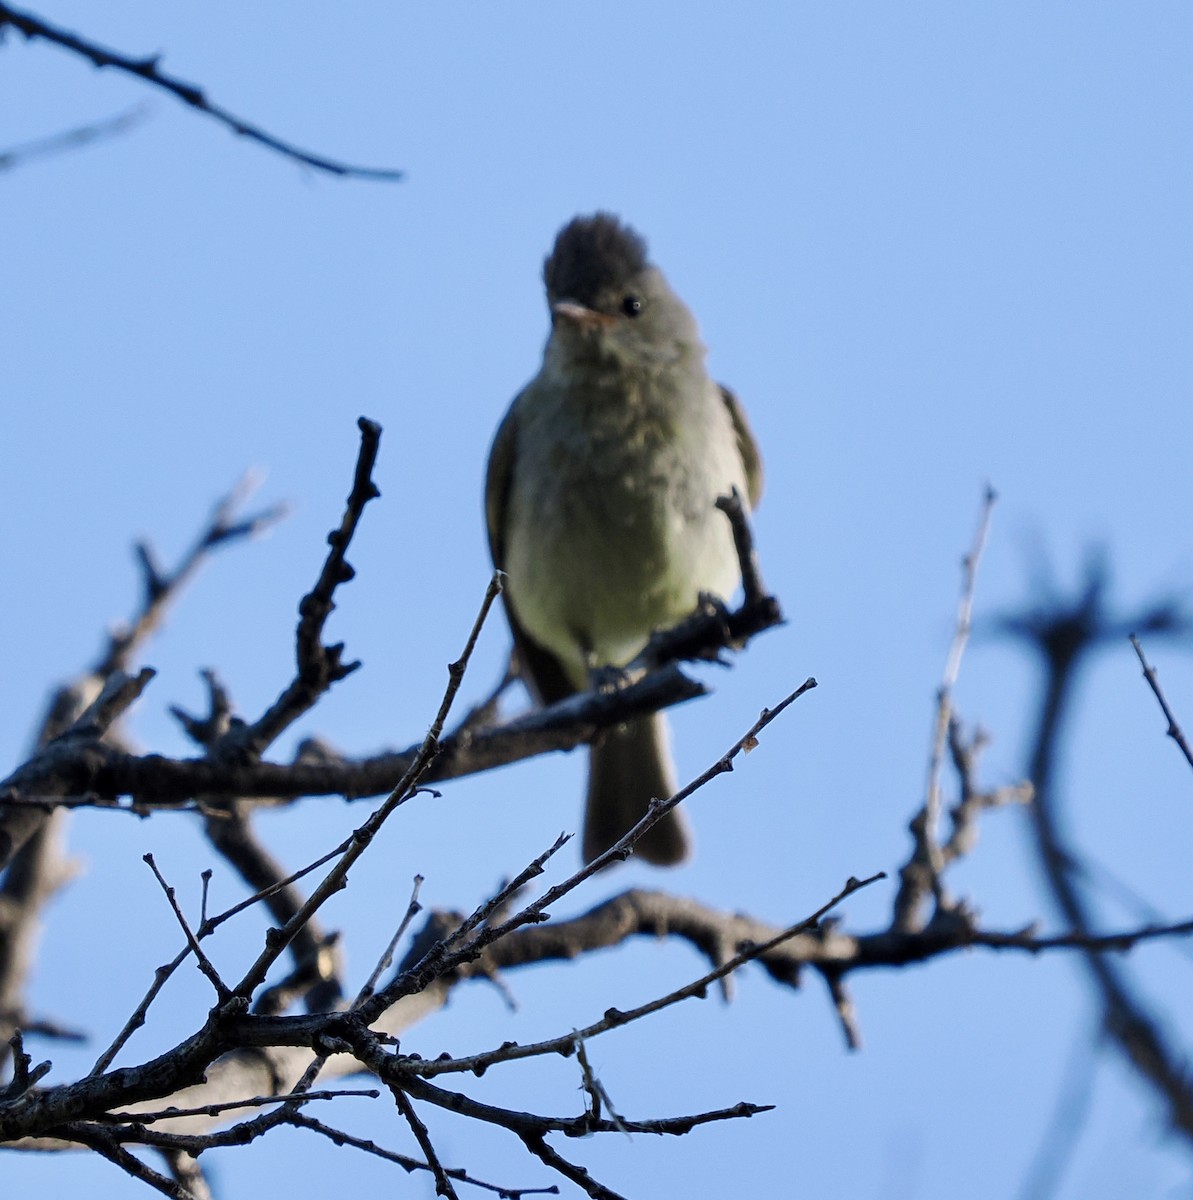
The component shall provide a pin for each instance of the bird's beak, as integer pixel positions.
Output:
(580, 317)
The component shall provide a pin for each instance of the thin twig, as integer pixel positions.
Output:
(537, 1145)
(615, 1019)
(443, 1186)
(437, 961)
(272, 889)
(340, 1138)
(205, 964)
(1174, 730)
(163, 973)
(1091, 943)
(733, 506)
(24, 1074)
(214, 1110)
(523, 1123)
(225, 525)
(843, 1006)
(361, 838)
(73, 139)
(387, 957)
(499, 901)
(120, 692)
(107, 1146)
(595, 1088)
(923, 874)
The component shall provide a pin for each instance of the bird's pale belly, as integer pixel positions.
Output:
(610, 562)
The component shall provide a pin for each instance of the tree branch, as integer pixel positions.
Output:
(148, 70)
(1064, 635)
(1174, 730)
(73, 139)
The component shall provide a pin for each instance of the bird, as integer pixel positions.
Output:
(600, 505)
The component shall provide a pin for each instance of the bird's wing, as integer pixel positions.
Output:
(498, 475)
(538, 668)
(746, 445)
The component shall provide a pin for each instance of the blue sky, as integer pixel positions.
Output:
(929, 246)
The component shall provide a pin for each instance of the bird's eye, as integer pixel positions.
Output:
(631, 306)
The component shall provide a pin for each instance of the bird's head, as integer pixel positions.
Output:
(608, 300)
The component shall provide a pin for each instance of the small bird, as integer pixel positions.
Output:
(600, 503)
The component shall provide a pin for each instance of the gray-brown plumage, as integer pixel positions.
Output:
(600, 502)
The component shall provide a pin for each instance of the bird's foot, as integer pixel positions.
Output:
(710, 605)
(607, 678)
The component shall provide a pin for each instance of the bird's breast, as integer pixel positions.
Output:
(612, 529)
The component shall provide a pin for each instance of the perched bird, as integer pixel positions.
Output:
(600, 502)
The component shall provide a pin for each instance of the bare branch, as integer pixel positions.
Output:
(844, 1008)
(438, 961)
(73, 139)
(224, 526)
(215, 1110)
(745, 951)
(77, 744)
(443, 1185)
(387, 956)
(163, 973)
(107, 1146)
(340, 1138)
(156, 782)
(231, 768)
(1174, 730)
(524, 1123)
(923, 873)
(537, 1145)
(275, 1051)
(362, 837)
(147, 69)
(24, 1074)
(205, 964)
(24, 799)
(319, 666)
(1064, 635)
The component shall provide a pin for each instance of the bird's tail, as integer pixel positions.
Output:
(629, 766)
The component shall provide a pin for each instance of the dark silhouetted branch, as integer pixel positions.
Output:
(148, 70)
(1064, 634)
